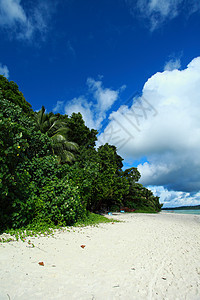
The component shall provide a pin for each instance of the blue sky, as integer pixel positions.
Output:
(131, 67)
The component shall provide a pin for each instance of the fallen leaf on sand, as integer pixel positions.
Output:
(41, 263)
(83, 246)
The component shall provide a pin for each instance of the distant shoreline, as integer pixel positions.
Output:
(182, 211)
(194, 207)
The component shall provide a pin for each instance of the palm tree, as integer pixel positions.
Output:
(42, 120)
(57, 131)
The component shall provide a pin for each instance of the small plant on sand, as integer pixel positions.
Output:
(93, 219)
(147, 210)
(47, 229)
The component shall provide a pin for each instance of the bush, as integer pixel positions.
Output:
(58, 202)
(53, 197)
(146, 209)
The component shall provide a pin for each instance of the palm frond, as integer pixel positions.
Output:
(57, 131)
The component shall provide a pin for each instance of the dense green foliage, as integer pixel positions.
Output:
(78, 132)
(10, 91)
(50, 171)
(57, 130)
(33, 185)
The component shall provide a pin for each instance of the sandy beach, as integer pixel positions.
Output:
(146, 256)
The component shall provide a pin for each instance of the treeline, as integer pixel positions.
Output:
(193, 207)
(50, 170)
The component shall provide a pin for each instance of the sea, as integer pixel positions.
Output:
(184, 211)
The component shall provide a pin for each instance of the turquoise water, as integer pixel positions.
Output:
(184, 211)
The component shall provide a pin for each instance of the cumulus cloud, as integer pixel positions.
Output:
(4, 70)
(159, 11)
(105, 97)
(95, 106)
(164, 126)
(172, 64)
(175, 198)
(21, 23)
(81, 105)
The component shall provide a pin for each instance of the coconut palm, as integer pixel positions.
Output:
(42, 120)
(57, 131)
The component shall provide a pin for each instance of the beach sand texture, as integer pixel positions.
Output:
(147, 256)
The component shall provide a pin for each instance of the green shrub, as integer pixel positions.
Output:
(145, 209)
(58, 202)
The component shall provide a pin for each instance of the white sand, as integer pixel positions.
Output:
(146, 257)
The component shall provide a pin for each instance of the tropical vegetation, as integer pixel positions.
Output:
(51, 171)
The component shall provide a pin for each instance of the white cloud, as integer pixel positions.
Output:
(172, 64)
(11, 12)
(59, 106)
(105, 97)
(159, 11)
(175, 198)
(24, 24)
(81, 105)
(4, 70)
(94, 112)
(164, 126)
